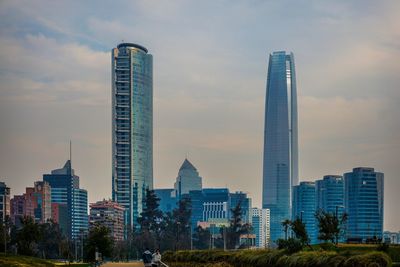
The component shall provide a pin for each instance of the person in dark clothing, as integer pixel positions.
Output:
(147, 258)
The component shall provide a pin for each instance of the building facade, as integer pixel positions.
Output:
(280, 159)
(109, 214)
(364, 204)
(65, 191)
(303, 208)
(391, 237)
(17, 209)
(168, 201)
(188, 179)
(261, 227)
(38, 202)
(132, 127)
(241, 198)
(330, 194)
(4, 201)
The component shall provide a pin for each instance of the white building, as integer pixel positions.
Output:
(261, 227)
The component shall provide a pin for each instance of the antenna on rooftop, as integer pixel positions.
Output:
(70, 154)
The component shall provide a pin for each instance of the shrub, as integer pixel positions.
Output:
(291, 245)
(370, 259)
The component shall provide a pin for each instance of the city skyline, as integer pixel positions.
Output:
(55, 87)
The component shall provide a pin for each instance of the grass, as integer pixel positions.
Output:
(25, 261)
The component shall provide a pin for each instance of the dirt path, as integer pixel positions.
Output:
(123, 264)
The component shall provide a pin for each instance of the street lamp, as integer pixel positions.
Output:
(301, 215)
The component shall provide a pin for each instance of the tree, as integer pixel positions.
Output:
(5, 230)
(150, 220)
(50, 240)
(99, 240)
(300, 232)
(286, 224)
(182, 215)
(28, 237)
(236, 227)
(329, 225)
(201, 238)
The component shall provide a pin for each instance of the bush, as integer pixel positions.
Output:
(370, 259)
(291, 245)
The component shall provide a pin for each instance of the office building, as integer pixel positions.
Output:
(109, 214)
(240, 198)
(209, 205)
(66, 192)
(38, 202)
(280, 159)
(364, 204)
(168, 201)
(391, 237)
(260, 225)
(304, 208)
(4, 201)
(330, 194)
(17, 209)
(188, 179)
(132, 127)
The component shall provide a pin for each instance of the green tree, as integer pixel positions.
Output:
(329, 225)
(149, 221)
(28, 237)
(99, 240)
(201, 238)
(182, 216)
(300, 232)
(50, 240)
(5, 230)
(236, 227)
(286, 225)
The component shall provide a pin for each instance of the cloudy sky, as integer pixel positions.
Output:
(210, 64)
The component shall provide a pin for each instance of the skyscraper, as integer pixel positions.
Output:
(303, 208)
(66, 192)
(188, 179)
(280, 160)
(330, 194)
(364, 204)
(132, 127)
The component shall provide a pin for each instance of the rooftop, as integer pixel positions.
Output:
(133, 45)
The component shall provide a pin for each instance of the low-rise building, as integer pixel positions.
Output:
(109, 214)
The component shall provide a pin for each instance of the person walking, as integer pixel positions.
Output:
(156, 259)
(147, 258)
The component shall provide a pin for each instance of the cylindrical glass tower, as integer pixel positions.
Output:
(132, 127)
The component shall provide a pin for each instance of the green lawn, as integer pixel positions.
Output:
(25, 261)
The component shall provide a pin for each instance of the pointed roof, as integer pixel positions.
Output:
(186, 165)
(67, 169)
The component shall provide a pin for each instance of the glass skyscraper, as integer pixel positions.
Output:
(304, 208)
(188, 179)
(280, 161)
(364, 204)
(132, 127)
(65, 191)
(330, 194)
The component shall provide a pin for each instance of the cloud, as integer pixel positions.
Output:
(210, 64)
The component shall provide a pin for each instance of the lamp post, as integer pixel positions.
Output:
(301, 215)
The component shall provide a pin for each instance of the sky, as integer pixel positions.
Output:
(210, 66)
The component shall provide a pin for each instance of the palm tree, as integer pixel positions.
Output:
(286, 224)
